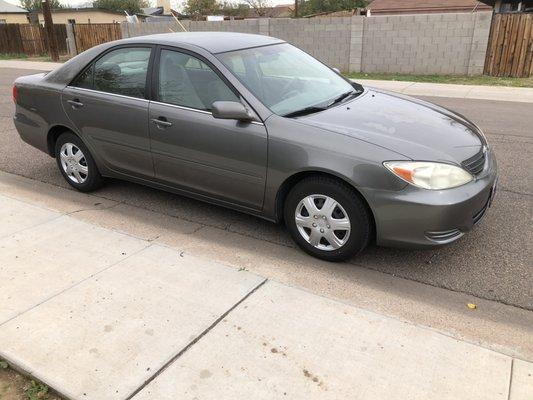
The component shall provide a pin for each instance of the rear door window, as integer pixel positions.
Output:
(85, 79)
(122, 71)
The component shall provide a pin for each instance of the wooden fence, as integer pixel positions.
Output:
(510, 48)
(10, 39)
(34, 40)
(90, 35)
(30, 39)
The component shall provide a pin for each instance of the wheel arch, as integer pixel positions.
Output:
(53, 133)
(292, 180)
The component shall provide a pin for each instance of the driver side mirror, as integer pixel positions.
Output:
(338, 71)
(231, 110)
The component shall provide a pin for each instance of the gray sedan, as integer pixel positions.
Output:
(253, 123)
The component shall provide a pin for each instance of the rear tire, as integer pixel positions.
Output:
(76, 163)
(327, 218)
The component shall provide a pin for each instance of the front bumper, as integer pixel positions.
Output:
(416, 217)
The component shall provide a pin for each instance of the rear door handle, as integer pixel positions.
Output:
(75, 103)
(161, 122)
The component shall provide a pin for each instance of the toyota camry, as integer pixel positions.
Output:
(253, 123)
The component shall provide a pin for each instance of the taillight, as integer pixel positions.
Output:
(15, 94)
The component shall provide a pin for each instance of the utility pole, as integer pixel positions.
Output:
(296, 8)
(49, 29)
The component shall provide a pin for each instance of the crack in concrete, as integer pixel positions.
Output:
(94, 209)
(513, 191)
(198, 229)
(510, 379)
(194, 341)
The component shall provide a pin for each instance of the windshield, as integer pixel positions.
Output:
(286, 79)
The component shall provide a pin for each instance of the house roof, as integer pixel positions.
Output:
(153, 10)
(84, 9)
(8, 8)
(342, 13)
(425, 6)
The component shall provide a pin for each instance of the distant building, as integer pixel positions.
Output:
(511, 6)
(11, 14)
(394, 7)
(84, 16)
(153, 11)
(162, 12)
(155, 14)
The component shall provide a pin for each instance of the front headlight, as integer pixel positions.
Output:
(429, 175)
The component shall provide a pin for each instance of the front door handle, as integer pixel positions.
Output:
(75, 103)
(161, 122)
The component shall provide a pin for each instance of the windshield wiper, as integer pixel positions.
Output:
(304, 111)
(314, 109)
(341, 97)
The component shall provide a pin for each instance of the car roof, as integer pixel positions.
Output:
(214, 42)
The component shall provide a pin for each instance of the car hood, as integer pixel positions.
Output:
(414, 128)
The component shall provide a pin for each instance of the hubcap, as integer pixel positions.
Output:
(322, 222)
(74, 163)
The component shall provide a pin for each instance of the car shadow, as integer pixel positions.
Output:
(486, 262)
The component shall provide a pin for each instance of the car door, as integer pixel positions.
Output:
(222, 159)
(108, 104)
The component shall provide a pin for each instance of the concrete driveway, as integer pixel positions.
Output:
(493, 262)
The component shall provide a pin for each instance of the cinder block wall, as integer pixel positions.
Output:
(418, 44)
(426, 44)
(327, 39)
(480, 40)
(243, 26)
(141, 29)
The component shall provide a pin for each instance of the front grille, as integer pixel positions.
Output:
(475, 164)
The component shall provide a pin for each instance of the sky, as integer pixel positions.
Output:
(174, 3)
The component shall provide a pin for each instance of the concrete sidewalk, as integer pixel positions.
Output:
(31, 65)
(479, 92)
(100, 314)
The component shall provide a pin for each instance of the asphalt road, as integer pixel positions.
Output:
(493, 262)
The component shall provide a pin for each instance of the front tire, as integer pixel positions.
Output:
(76, 163)
(327, 218)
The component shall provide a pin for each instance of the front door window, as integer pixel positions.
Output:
(187, 81)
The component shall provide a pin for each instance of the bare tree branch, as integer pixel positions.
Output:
(259, 6)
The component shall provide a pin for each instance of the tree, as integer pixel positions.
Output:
(309, 7)
(259, 6)
(131, 6)
(233, 9)
(33, 5)
(200, 8)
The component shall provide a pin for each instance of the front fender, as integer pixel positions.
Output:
(295, 149)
